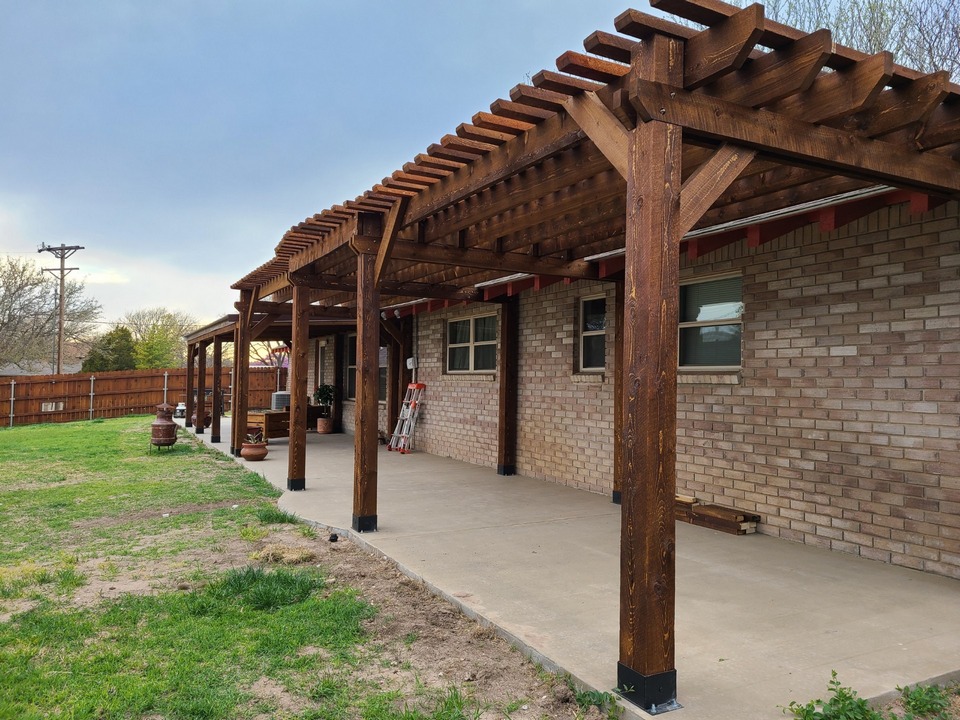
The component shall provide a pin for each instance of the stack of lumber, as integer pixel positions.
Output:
(715, 517)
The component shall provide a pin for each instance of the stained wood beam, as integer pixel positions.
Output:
(601, 126)
(834, 95)
(943, 127)
(794, 141)
(554, 174)
(387, 287)
(262, 325)
(490, 260)
(494, 137)
(900, 107)
(217, 403)
(708, 182)
(391, 228)
(777, 74)
(539, 143)
(299, 351)
(566, 84)
(647, 663)
(723, 48)
(365, 433)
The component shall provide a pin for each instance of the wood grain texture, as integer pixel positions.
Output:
(368, 353)
(651, 297)
(299, 353)
(795, 141)
(201, 387)
(709, 181)
(191, 370)
(601, 126)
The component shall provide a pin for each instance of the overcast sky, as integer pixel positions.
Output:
(178, 140)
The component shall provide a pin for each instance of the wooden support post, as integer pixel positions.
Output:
(618, 396)
(241, 369)
(191, 368)
(651, 294)
(507, 372)
(339, 382)
(217, 403)
(365, 437)
(300, 339)
(200, 424)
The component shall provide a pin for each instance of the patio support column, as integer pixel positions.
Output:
(618, 395)
(651, 293)
(365, 438)
(191, 349)
(507, 372)
(200, 424)
(241, 373)
(217, 408)
(338, 381)
(299, 350)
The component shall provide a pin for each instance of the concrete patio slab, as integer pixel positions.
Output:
(760, 621)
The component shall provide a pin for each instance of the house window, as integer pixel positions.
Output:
(472, 344)
(710, 322)
(593, 334)
(351, 365)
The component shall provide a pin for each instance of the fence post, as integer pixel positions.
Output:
(92, 393)
(165, 376)
(13, 384)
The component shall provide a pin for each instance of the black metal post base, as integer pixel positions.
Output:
(365, 523)
(506, 469)
(214, 438)
(296, 484)
(654, 694)
(199, 430)
(615, 497)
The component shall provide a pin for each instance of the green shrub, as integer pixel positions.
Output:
(843, 704)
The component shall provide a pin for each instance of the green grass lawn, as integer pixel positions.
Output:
(92, 502)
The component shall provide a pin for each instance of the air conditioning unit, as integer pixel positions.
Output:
(279, 400)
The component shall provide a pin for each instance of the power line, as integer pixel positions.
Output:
(62, 253)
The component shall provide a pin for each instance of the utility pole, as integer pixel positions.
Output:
(62, 252)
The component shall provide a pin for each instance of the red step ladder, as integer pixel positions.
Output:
(401, 438)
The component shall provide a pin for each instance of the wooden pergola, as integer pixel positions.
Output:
(659, 140)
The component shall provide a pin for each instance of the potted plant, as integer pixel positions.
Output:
(254, 448)
(323, 397)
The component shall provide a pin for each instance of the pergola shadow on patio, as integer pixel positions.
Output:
(760, 621)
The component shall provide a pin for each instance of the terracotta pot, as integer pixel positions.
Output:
(324, 425)
(253, 451)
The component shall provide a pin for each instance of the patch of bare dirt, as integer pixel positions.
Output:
(273, 693)
(11, 607)
(417, 639)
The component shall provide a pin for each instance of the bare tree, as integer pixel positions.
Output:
(28, 314)
(270, 353)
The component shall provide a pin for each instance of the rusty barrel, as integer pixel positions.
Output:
(163, 430)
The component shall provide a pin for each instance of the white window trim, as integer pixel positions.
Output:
(592, 333)
(471, 344)
(351, 337)
(707, 369)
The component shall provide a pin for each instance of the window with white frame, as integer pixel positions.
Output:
(593, 334)
(472, 344)
(710, 322)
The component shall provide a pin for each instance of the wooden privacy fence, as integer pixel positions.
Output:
(31, 399)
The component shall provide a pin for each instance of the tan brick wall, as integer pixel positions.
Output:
(841, 431)
(844, 429)
(458, 418)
